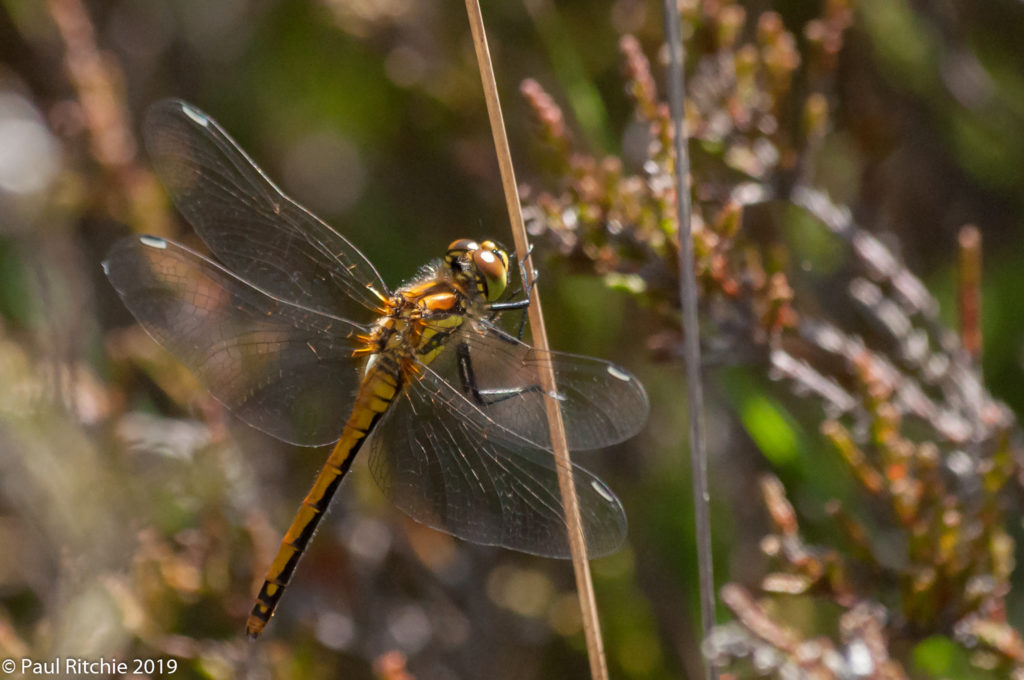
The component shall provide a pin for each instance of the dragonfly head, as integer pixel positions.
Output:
(484, 266)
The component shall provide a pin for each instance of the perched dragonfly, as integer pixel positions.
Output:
(293, 330)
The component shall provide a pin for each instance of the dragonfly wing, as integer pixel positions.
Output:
(282, 368)
(602, 404)
(447, 465)
(248, 223)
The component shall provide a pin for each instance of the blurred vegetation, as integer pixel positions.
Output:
(867, 462)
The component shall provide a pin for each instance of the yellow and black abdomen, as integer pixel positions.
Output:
(416, 332)
(380, 385)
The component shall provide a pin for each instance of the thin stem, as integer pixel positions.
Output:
(688, 295)
(969, 240)
(577, 543)
(97, 82)
(583, 96)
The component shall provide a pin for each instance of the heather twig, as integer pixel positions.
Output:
(898, 397)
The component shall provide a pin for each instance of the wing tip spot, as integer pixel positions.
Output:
(616, 372)
(197, 116)
(152, 242)
(602, 490)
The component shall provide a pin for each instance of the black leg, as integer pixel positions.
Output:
(485, 398)
(529, 281)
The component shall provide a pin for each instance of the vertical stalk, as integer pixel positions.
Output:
(577, 543)
(688, 295)
(969, 293)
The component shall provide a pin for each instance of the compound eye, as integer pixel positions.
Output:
(492, 272)
(461, 246)
(457, 250)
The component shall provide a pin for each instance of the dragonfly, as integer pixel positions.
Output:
(291, 328)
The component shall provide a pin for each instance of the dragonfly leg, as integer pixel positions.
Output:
(487, 397)
(529, 281)
(528, 273)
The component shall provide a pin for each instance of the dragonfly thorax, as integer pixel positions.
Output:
(423, 314)
(418, 321)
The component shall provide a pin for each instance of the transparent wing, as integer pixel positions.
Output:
(447, 465)
(602, 404)
(248, 223)
(282, 368)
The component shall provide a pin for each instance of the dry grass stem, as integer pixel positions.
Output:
(577, 543)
